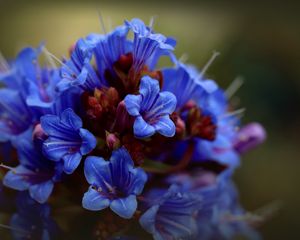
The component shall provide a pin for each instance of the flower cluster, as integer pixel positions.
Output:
(124, 143)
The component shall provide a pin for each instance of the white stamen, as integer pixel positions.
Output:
(210, 61)
(151, 23)
(184, 57)
(57, 59)
(14, 229)
(49, 58)
(110, 24)
(7, 167)
(103, 29)
(3, 64)
(234, 86)
(234, 113)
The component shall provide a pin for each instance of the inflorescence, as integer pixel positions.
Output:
(149, 150)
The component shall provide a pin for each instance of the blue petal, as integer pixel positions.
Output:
(149, 88)
(67, 99)
(71, 162)
(142, 129)
(15, 179)
(137, 26)
(109, 48)
(93, 200)
(70, 119)
(89, 141)
(209, 86)
(97, 171)
(121, 164)
(124, 207)
(147, 220)
(68, 81)
(14, 114)
(165, 126)
(41, 192)
(50, 125)
(25, 63)
(138, 181)
(55, 148)
(133, 104)
(164, 104)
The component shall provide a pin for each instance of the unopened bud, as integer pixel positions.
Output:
(112, 141)
(249, 137)
(38, 133)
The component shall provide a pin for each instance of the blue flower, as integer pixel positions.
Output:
(15, 116)
(151, 110)
(109, 48)
(32, 220)
(114, 183)
(67, 140)
(35, 172)
(186, 83)
(78, 71)
(148, 46)
(223, 217)
(35, 83)
(173, 215)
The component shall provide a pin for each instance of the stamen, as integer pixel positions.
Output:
(269, 210)
(14, 229)
(234, 113)
(103, 29)
(58, 60)
(257, 217)
(151, 23)
(184, 57)
(234, 86)
(210, 61)
(48, 57)
(3, 64)
(7, 167)
(110, 24)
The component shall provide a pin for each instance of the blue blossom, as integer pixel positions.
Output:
(221, 216)
(186, 83)
(15, 116)
(109, 48)
(35, 172)
(67, 140)
(173, 215)
(35, 83)
(32, 220)
(151, 109)
(148, 46)
(222, 149)
(114, 183)
(78, 71)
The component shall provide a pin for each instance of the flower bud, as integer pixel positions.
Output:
(112, 141)
(38, 133)
(249, 137)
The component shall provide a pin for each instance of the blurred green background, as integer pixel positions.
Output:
(258, 41)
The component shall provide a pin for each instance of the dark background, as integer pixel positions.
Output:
(259, 41)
